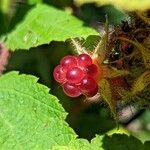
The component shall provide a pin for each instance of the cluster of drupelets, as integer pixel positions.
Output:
(77, 75)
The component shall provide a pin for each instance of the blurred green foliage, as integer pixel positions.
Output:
(40, 61)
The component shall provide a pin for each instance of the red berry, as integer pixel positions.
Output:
(74, 75)
(91, 70)
(59, 74)
(84, 60)
(71, 90)
(79, 75)
(68, 61)
(89, 86)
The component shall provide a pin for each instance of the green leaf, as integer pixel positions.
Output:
(82, 144)
(114, 142)
(123, 142)
(34, 1)
(30, 118)
(96, 143)
(129, 5)
(146, 145)
(44, 24)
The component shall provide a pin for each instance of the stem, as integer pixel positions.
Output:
(145, 19)
(78, 48)
(125, 57)
(101, 48)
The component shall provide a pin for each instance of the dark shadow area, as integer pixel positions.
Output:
(124, 142)
(91, 120)
(21, 9)
(94, 15)
(3, 23)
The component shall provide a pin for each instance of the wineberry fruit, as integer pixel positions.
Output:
(71, 90)
(91, 70)
(89, 86)
(84, 60)
(74, 75)
(68, 61)
(78, 75)
(59, 74)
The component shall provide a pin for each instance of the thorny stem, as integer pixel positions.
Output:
(101, 48)
(145, 19)
(78, 48)
(138, 45)
(125, 39)
(125, 57)
(140, 30)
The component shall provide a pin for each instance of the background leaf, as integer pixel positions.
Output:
(129, 5)
(57, 26)
(29, 116)
(82, 144)
(34, 1)
(123, 142)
